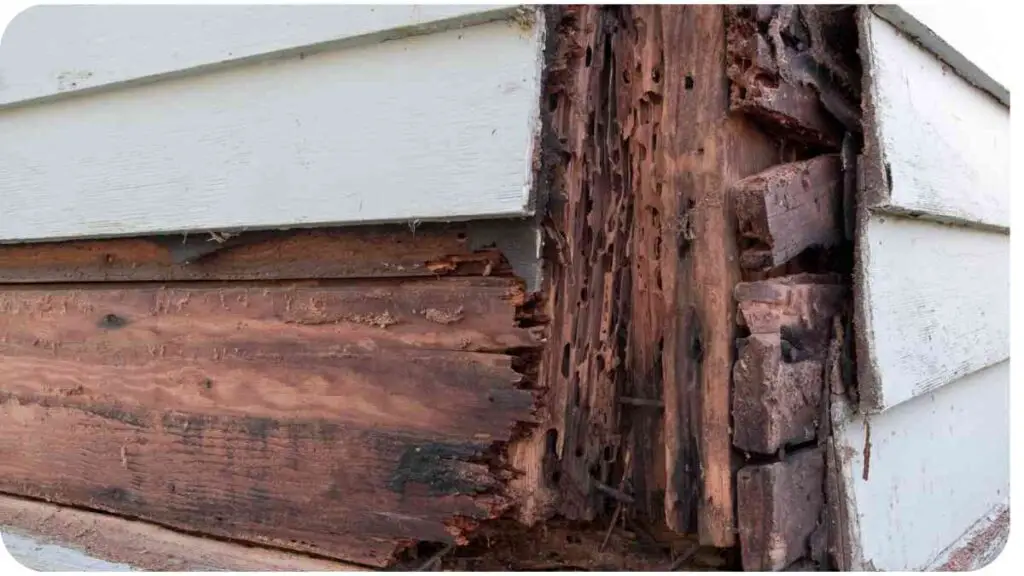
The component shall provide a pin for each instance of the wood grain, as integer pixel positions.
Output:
(779, 506)
(359, 252)
(147, 546)
(341, 419)
(700, 162)
(441, 128)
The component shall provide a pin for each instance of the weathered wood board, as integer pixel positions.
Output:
(788, 208)
(920, 474)
(142, 43)
(342, 419)
(943, 158)
(439, 126)
(934, 305)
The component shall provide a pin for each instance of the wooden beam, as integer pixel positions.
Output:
(788, 208)
(341, 419)
(776, 401)
(147, 546)
(779, 506)
(702, 151)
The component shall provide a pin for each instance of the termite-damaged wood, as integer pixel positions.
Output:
(324, 417)
(702, 151)
(785, 71)
(776, 401)
(779, 506)
(393, 251)
(644, 260)
(800, 307)
(789, 208)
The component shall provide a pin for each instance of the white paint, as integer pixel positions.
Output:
(938, 464)
(434, 127)
(935, 300)
(961, 38)
(48, 50)
(946, 142)
(45, 557)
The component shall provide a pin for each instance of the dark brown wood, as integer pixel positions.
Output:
(788, 208)
(776, 401)
(765, 84)
(780, 505)
(344, 419)
(369, 252)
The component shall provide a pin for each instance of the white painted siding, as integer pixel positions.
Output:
(938, 464)
(937, 300)
(93, 46)
(946, 143)
(438, 126)
(925, 460)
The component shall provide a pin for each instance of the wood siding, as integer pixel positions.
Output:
(438, 126)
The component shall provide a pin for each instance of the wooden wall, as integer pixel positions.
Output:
(926, 459)
(198, 118)
(347, 400)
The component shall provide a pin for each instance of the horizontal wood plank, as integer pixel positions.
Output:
(942, 158)
(432, 127)
(146, 42)
(921, 474)
(358, 252)
(779, 508)
(86, 538)
(344, 420)
(788, 208)
(934, 306)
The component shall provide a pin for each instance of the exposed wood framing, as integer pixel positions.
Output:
(644, 259)
(381, 393)
(793, 69)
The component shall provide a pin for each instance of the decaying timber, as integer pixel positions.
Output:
(779, 507)
(789, 208)
(401, 397)
(793, 69)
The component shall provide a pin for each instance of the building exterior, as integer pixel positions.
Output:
(488, 287)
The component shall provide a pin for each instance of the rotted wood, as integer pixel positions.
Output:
(779, 507)
(703, 149)
(788, 208)
(785, 72)
(346, 419)
(776, 401)
(642, 249)
(370, 252)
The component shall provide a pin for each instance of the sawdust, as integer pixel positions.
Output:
(443, 316)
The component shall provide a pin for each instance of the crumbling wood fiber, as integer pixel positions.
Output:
(794, 71)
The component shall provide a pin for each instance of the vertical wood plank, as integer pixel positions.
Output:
(703, 151)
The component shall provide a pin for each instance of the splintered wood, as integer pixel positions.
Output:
(778, 377)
